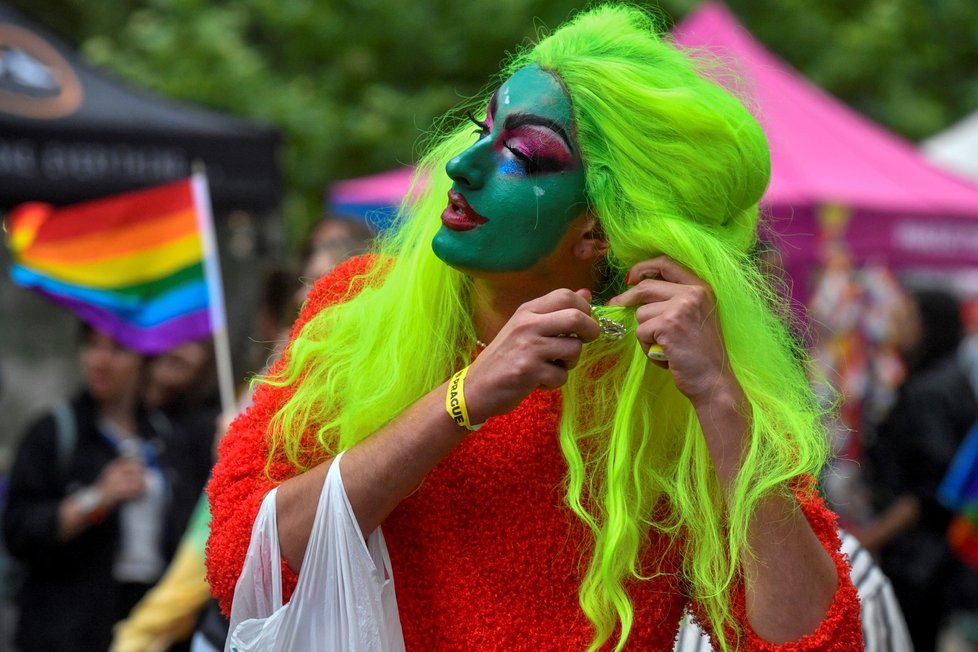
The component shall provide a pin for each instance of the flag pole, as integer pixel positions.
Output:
(215, 289)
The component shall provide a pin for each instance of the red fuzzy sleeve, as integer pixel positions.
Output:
(240, 480)
(840, 629)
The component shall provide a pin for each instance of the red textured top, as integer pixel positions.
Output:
(485, 554)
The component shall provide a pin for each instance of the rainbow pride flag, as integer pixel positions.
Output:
(134, 266)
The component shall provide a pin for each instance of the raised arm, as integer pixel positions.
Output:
(791, 580)
(380, 471)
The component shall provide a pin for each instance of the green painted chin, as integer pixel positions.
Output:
(496, 247)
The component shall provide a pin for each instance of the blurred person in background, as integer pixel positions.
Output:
(969, 360)
(334, 239)
(184, 380)
(277, 309)
(180, 605)
(89, 514)
(906, 456)
(182, 384)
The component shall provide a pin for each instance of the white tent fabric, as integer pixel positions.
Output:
(956, 148)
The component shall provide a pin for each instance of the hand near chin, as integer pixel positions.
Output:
(677, 311)
(537, 347)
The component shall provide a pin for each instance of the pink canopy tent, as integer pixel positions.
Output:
(834, 173)
(376, 196)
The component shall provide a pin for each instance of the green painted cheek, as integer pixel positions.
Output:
(530, 216)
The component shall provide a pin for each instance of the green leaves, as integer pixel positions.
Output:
(907, 64)
(353, 84)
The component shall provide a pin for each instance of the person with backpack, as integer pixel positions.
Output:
(89, 509)
(907, 454)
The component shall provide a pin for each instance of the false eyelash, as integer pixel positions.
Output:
(481, 124)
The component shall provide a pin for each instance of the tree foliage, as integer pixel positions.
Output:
(908, 64)
(352, 84)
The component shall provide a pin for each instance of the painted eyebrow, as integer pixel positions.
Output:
(514, 120)
(493, 105)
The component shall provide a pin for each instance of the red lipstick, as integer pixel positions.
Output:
(458, 215)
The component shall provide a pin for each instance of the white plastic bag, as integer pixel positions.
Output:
(344, 601)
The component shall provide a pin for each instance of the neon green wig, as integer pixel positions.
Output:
(675, 165)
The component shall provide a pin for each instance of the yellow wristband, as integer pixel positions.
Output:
(455, 401)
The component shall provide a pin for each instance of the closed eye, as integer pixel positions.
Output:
(535, 162)
(529, 163)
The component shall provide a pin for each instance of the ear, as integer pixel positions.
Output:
(592, 243)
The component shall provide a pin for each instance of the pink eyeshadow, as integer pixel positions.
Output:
(538, 143)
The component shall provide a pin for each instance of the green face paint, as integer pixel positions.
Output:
(519, 186)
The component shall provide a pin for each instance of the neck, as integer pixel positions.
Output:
(497, 295)
(121, 413)
(492, 308)
(494, 300)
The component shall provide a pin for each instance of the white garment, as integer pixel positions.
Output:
(139, 558)
(140, 555)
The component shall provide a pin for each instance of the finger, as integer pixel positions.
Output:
(572, 362)
(647, 291)
(652, 310)
(559, 300)
(571, 321)
(564, 350)
(646, 336)
(661, 267)
(662, 364)
(553, 376)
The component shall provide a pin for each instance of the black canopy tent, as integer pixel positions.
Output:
(69, 132)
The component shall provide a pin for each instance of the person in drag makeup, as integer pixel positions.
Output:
(541, 482)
